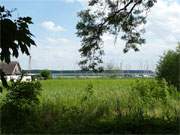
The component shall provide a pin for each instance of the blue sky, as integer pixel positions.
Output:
(59, 12)
(57, 44)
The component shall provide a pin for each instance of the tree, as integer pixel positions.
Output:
(169, 67)
(113, 70)
(46, 74)
(110, 16)
(15, 36)
(21, 97)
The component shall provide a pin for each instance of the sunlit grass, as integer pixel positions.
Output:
(103, 106)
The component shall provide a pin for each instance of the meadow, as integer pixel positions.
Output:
(105, 106)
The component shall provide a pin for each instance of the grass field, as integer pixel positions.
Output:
(105, 106)
(97, 104)
(72, 90)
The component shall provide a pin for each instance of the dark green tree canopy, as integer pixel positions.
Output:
(168, 67)
(110, 16)
(46, 74)
(15, 35)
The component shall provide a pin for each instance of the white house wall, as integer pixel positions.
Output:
(17, 77)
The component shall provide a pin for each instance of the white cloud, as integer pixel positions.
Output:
(164, 20)
(51, 26)
(58, 41)
(84, 3)
(162, 33)
(53, 53)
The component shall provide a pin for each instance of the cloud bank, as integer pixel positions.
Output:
(162, 33)
(51, 26)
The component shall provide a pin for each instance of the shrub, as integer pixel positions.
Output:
(151, 91)
(88, 93)
(17, 109)
(46, 74)
(169, 67)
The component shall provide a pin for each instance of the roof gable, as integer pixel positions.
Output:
(11, 68)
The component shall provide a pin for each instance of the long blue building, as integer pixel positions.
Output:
(80, 73)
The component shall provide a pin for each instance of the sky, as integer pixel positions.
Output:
(57, 47)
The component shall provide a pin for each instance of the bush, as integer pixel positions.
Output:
(149, 95)
(151, 91)
(169, 67)
(46, 74)
(17, 109)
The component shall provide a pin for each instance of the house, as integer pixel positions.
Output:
(13, 71)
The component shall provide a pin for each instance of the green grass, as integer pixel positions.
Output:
(71, 90)
(97, 104)
(104, 106)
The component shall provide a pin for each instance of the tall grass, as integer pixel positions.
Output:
(106, 106)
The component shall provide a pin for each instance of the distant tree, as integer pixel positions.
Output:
(110, 66)
(46, 74)
(169, 67)
(110, 16)
(15, 36)
(114, 70)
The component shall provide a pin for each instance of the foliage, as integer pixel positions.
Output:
(88, 92)
(21, 97)
(110, 16)
(114, 70)
(23, 93)
(104, 106)
(169, 67)
(153, 90)
(15, 35)
(46, 74)
(17, 108)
